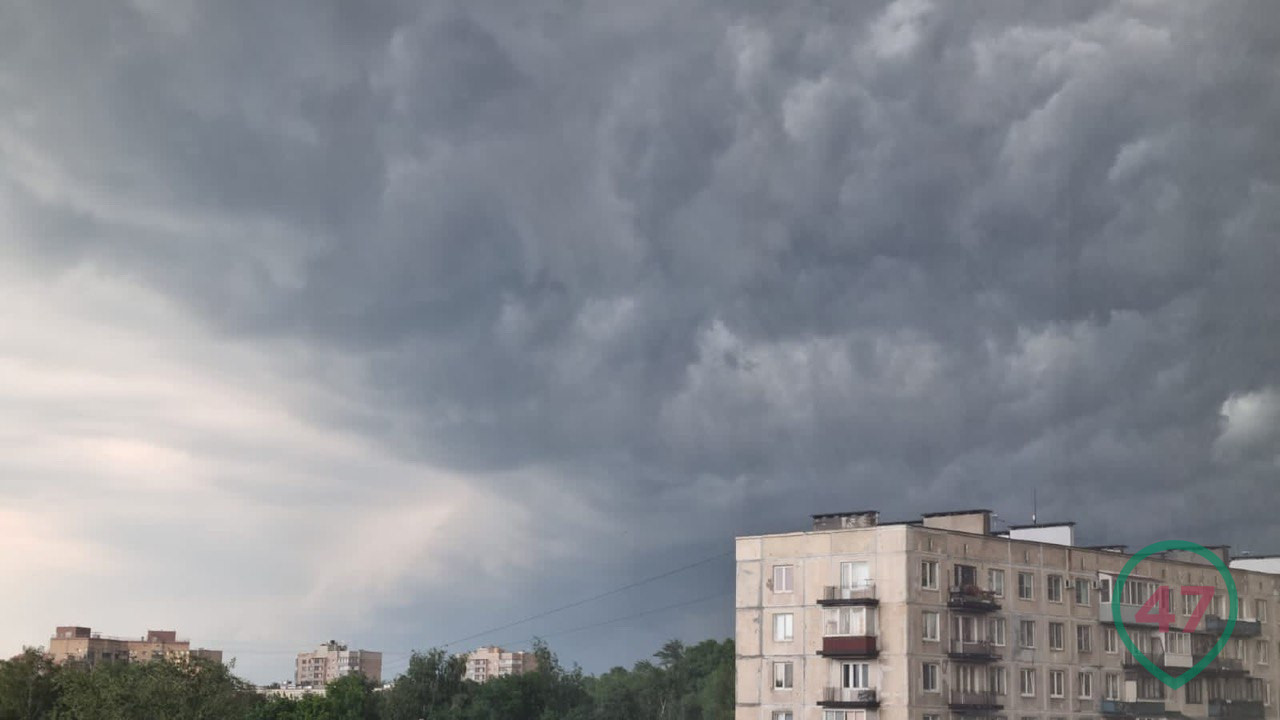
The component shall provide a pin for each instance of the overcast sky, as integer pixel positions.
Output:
(391, 322)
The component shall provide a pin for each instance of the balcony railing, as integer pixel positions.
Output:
(837, 697)
(962, 700)
(972, 598)
(862, 593)
(1236, 709)
(977, 650)
(1141, 708)
(1221, 665)
(1155, 656)
(850, 646)
(1215, 625)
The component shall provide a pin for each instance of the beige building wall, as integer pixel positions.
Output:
(76, 643)
(895, 554)
(334, 660)
(486, 663)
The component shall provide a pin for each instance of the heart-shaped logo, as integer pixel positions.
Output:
(1118, 617)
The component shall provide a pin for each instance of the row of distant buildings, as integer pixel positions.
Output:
(313, 669)
(946, 617)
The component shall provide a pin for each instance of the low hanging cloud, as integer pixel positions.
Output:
(358, 299)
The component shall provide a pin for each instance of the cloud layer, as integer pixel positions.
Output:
(399, 321)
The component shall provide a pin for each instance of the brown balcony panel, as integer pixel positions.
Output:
(849, 698)
(850, 646)
(973, 702)
(862, 594)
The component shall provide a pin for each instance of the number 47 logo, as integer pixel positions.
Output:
(1158, 609)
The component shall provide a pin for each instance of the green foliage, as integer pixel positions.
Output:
(681, 683)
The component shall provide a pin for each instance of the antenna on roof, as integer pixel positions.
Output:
(1033, 506)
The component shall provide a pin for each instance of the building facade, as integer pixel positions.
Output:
(74, 643)
(943, 619)
(334, 660)
(490, 662)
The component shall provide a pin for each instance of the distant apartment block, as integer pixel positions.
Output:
(334, 660)
(73, 643)
(944, 619)
(490, 662)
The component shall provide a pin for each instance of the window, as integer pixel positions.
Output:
(929, 574)
(1189, 604)
(1260, 610)
(1263, 651)
(782, 578)
(855, 676)
(1266, 693)
(998, 684)
(929, 677)
(1027, 633)
(1057, 683)
(995, 631)
(842, 715)
(1084, 685)
(1178, 643)
(929, 717)
(1111, 689)
(1053, 588)
(1027, 682)
(783, 715)
(783, 627)
(845, 621)
(1081, 586)
(995, 581)
(1026, 586)
(1136, 592)
(1195, 691)
(1104, 589)
(1150, 688)
(964, 628)
(782, 676)
(854, 575)
(1084, 638)
(1110, 641)
(1056, 633)
(965, 575)
(930, 625)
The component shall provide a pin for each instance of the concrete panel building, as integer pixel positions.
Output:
(75, 643)
(941, 618)
(334, 660)
(490, 662)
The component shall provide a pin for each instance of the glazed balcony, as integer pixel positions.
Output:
(1236, 709)
(971, 598)
(973, 651)
(1141, 708)
(851, 647)
(849, 698)
(1221, 665)
(864, 593)
(966, 702)
(1215, 625)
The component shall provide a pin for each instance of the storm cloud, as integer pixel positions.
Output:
(395, 321)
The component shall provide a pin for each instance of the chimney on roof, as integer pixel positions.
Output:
(846, 521)
(977, 522)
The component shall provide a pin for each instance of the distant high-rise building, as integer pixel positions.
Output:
(491, 662)
(74, 643)
(334, 660)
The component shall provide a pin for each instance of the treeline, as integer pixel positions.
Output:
(679, 683)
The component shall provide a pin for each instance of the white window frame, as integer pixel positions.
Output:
(1084, 685)
(1048, 588)
(1027, 682)
(1110, 640)
(1027, 634)
(1060, 642)
(925, 618)
(1029, 586)
(926, 670)
(1260, 610)
(861, 675)
(784, 578)
(929, 574)
(999, 680)
(1263, 652)
(996, 587)
(1111, 686)
(783, 676)
(783, 715)
(1084, 633)
(784, 629)
(997, 630)
(1081, 586)
(1061, 690)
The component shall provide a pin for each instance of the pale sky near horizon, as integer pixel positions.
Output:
(389, 322)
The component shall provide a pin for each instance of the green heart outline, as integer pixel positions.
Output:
(1116, 615)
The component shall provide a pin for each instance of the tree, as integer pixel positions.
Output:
(28, 686)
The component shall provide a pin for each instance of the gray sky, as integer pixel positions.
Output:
(390, 322)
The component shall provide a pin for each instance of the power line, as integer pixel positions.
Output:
(615, 591)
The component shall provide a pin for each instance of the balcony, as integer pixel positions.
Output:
(849, 698)
(973, 702)
(970, 598)
(1236, 709)
(1222, 666)
(1128, 613)
(1141, 708)
(973, 651)
(1214, 625)
(863, 593)
(849, 646)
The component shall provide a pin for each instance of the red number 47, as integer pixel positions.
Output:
(1158, 609)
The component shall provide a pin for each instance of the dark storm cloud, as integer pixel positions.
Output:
(724, 261)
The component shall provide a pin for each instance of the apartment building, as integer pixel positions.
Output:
(74, 643)
(941, 618)
(490, 662)
(334, 660)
